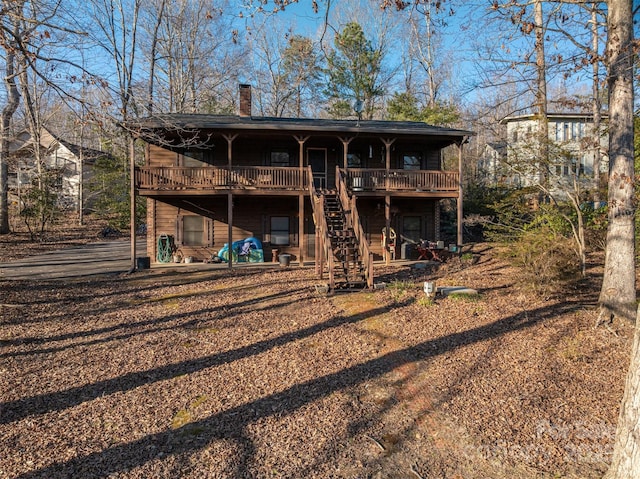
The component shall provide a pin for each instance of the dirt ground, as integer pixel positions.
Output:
(251, 373)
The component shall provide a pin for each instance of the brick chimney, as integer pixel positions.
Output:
(245, 100)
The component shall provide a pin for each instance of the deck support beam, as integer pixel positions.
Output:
(132, 166)
(301, 141)
(459, 202)
(387, 199)
(230, 139)
(345, 153)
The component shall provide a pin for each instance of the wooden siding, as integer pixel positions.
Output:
(180, 190)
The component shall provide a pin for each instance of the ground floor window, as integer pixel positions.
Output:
(280, 230)
(192, 231)
(412, 227)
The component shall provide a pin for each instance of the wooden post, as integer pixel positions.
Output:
(230, 139)
(230, 226)
(301, 244)
(387, 198)
(459, 205)
(132, 172)
(387, 226)
(345, 152)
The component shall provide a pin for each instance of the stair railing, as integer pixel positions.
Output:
(322, 232)
(353, 221)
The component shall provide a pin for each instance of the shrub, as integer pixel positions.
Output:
(548, 260)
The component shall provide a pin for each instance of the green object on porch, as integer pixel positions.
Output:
(165, 248)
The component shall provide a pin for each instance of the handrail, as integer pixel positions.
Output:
(353, 221)
(366, 179)
(215, 177)
(321, 225)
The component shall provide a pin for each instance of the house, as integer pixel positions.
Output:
(491, 166)
(333, 191)
(575, 150)
(62, 161)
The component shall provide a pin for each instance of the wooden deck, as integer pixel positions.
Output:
(212, 179)
(158, 180)
(361, 179)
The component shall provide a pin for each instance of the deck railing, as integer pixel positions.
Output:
(365, 179)
(213, 177)
(283, 178)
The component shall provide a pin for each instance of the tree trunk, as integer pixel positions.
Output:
(596, 106)
(541, 94)
(13, 100)
(618, 293)
(626, 453)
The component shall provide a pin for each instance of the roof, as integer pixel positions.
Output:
(50, 141)
(201, 122)
(553, 116)
(498, 146)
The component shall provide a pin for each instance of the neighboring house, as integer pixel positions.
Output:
(491, 168)
(314, 189)
(60, 160)
(574, 150)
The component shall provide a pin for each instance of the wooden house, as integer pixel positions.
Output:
(333, 191)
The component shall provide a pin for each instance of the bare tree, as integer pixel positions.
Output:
(618, 293)
(31, 36)
(11, 17)
(192, 53)
(617, 297)
(286, 71)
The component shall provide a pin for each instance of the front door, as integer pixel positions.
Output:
(317, 159)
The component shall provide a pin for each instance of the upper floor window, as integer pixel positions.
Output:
(354, 160)
(280, 157)
(412, 161)
(196, 157)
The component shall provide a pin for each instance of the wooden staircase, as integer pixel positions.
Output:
(341, 248)
(349, 272)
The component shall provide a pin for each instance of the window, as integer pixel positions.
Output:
(354, 160)
(280, 158)
(412, 227)
(412, 161)
(514, 135)
(280, 230)
(193, 231)
(196, 157)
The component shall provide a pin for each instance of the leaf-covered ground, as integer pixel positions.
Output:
(250, 373)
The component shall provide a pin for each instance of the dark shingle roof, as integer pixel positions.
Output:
(175, 122)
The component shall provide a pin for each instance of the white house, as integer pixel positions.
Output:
(61, 161)
(575, 150)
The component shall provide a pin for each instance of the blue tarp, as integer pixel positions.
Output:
(246, 250)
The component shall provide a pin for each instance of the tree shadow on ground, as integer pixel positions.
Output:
(231, 422)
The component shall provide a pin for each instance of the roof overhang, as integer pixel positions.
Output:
(172, 127)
